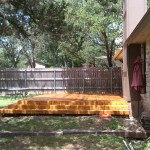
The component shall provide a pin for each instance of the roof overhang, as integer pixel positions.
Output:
(142, 31)
(118, 55)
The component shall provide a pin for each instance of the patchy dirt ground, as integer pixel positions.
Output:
(68, 142)
(36, 123)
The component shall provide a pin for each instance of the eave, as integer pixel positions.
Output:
(118, 55)
(142, 31)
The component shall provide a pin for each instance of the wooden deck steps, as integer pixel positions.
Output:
(66, 107)
(69, 104)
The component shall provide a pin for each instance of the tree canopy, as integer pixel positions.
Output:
(59, 32)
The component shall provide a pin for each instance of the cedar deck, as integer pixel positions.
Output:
(69, 104)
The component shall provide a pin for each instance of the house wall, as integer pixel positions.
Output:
(146, 97)
(133, 10)
(125, 82)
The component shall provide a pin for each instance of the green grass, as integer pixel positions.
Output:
(64, 142)
(7, 100)
(70, 142)
(45, 123)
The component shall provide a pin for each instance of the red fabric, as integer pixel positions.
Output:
(105, 116)
(137, 81)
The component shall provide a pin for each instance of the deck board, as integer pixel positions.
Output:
(64, 103)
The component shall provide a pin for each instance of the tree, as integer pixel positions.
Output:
(30, 20)
(148, 3)
(63, 29)
(11, 52)
(111, 26)
(100, 23)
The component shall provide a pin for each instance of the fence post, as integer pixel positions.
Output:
(25, 78)
(111, 79)
(70, 80)
(83, 81)
(54, 81)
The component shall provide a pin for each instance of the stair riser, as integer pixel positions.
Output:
(39, 111)
(84, 104)
(74, 107)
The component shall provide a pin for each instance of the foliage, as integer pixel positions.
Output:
(148, 3)
(61, 32)
(96, 28)
(11, 51)
(30, 21)
(40, 16)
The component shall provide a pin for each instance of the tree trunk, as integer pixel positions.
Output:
(33, 54)
(108, 49)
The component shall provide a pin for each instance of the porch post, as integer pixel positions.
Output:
(134, 98)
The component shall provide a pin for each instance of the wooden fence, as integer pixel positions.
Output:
(75, 80)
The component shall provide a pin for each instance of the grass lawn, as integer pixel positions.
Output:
(7, 100)
(65, 142)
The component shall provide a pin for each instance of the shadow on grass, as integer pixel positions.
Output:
(52, 123)
(70, 142)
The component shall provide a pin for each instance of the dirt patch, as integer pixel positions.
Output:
(71, 141)
(49, 123)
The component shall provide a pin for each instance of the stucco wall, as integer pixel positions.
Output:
(134, 10)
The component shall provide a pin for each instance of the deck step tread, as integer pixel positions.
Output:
(74, 102)
(69, 104)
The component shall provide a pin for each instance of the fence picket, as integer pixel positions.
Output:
(80, 80)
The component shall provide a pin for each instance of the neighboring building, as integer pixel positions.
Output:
(136, 43)
(38, 65)
(101, 61)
